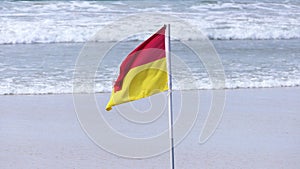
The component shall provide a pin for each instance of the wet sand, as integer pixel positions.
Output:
(259, 129)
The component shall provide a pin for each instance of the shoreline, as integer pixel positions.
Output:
(175, 90)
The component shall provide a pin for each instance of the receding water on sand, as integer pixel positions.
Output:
(49, 68)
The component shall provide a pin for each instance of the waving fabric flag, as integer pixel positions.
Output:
(143, 72)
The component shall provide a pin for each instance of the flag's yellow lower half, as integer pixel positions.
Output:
(141, 82)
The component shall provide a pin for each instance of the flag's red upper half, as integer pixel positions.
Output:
(150, 50)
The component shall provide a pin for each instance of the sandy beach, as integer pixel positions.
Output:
(51, 49)
(259, 129)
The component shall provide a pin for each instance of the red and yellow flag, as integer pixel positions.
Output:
(143, 72)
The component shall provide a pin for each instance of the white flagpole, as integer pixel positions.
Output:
(168, 55)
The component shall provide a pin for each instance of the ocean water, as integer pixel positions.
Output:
(257, 41)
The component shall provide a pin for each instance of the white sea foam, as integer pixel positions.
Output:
(58, 82)
(77, 21)
(7, 88)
